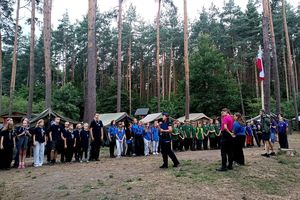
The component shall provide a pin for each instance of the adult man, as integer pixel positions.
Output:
(266, 133)
(165, 137)
(55, 132)
(226, 140)
(96, 131)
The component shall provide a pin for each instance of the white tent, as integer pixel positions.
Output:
(194, 117)
(151, 118)
(106, 118)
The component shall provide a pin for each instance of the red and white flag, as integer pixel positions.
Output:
(259, 65)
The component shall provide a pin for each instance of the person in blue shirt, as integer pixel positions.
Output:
(239, 130)
(134, 128)
(147, 139)
(112, 131)
(273, 130)
(282, 132)
(155, 137)
(139, 140)
(120, 136)
(165, 130)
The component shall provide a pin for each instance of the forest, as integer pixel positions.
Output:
(121, 62)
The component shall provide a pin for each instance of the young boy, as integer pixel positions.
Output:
(54, 137)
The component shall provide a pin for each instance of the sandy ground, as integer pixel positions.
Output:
(141, 178)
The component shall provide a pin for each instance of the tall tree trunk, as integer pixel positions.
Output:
(119, 73)
(157, 55)
(47, 49)
(287, 88)
(241, 93)
(90, 95)
(73, 68)
(171, 70)
(142, 86)
(14, 64)
(290, 62)
(31, 61)
(129, 76)
(275, 64)
(148, 82)
(295, 67)
(267, 59)
(64, 67)
(163, 76)
(1, 61)
(186, 64)
(174, 78)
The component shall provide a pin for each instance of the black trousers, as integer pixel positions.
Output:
(139, 145)
(83, 150)
(61, 149)
(199, 144)
(175, 145)
(129, 149)
(6, 157)
(112, 145)
(213, 143)
(256, 138)
(188, 143)
(205, 143)
(226, 150)
(283, 141)
(69, 152)
(77, 151)
(95, 149)
(238, 145)
(167, 151)
(180, 144)
(218, 140)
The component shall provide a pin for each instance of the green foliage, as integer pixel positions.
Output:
(212, 87)
(68, 101)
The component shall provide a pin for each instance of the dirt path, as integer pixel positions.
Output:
(140, 178)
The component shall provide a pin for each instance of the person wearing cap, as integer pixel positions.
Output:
(265, 121)
(226, 140)
(165, 130)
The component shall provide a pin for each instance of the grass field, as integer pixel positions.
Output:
(140, 178)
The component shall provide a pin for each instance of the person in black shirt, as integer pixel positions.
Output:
(39, 138)
(77, 144)
(69, 142)
(23, 136)
(7, 144)
(96, 130)
(165, 130)
(55, 138)
(62, 145)
(85, 142)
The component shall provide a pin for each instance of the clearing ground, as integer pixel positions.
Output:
(140, 178)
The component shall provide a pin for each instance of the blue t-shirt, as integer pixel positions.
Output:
(155, 134)
(140, 130)
(238, 129)
(273, 124)
(134, 128)
(120, 133)
(112, 130)
(147, 134)
(282, 126)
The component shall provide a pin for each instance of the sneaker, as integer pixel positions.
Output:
(272, 154)
(229, 168)
(163, 167)
(221, 169)
(176, 165)
(265, 155)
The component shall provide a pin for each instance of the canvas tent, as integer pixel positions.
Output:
(257, 118)
(16, 116)
(194, 117)
(50, 114)
(141, 112)
(151, 118)
(106, 118)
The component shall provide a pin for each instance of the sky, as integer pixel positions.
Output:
(147, 9)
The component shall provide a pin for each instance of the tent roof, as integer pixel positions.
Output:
(151, 117)
(141, 111)
(50, 113)
(14, 114)
(193, 117)
(106, 118)
(257, 118)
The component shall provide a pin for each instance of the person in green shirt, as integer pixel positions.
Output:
(180, 137)
(175, 135)
(205, 135)
(188, 140)
(212, 134)
(199, 135)
(194, 138)
(218, 133)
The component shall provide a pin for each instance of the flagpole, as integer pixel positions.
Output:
(262, 94)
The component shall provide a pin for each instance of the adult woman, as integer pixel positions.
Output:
(239, 130)
(7, 144)
(112, 131)
(282, 132)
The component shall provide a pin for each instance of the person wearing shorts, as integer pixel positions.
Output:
(23, 136)
(266, 133)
